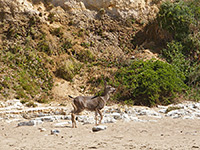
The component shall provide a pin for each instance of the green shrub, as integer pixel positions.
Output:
(68, 69)
(176, 18)
(173, 54)
(67, 44)
(181, 19)
(51, 17)
(31, 104)
(57, 32)
(171, 108)
(148, 83)
(27, 75)
(85, 56)
(43, 46)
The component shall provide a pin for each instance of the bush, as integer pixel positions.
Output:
(173, 54)
(176, 18)
(181, 19)
(85, 56)
(28, 74)
(68, 69)
(148, 83)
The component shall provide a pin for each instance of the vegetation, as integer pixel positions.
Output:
(182, 20)
(68, 69)
(171, 108)
(24, 72)
(148, 83)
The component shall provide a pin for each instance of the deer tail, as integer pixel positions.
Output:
(70, 96)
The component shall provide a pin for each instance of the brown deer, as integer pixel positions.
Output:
(91, 103)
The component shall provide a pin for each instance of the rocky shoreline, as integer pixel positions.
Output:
(15, 111)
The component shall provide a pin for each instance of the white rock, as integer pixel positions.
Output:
(126, 117)
(176, 116)
(132, 118)
(98, 128)
(108, 120)
(30, 123)
(197, 105)
(48, 118)
(89, 120)
(55, 132)
(162, 107)
(116, 116)
(62, 124)
(162, 110)
(196, 114)
(67, 117)
(188, 117)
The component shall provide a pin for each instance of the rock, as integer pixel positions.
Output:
(48, 118)
(42, 129)
(197, 114)
(176, 116)
(67, 117)
(62, 124)
(132, 118)
(148, 112)
(188, 117)
(30, 123)
(98, 128)
(116, 116)
(55, 132)
(162, 110)
(108, 120)
(126, 117)
(123, 9)
(162, 107)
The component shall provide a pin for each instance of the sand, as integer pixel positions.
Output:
(166, 133)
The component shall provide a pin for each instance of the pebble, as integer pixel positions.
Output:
(42, 129)
(55, 132)
(98, 128)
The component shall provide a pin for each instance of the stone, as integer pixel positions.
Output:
(48, 118)
(188, 117)
(162, 110)
(42, 129)
(108, 120)
(30, 123)
(98, 128)
(62, 124)
(55, 132)
(132, 118)
(125, 117)
(116, 116)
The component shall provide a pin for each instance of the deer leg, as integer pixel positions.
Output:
(73, 116)
(96, 113)
(101, 116)
(73, 120)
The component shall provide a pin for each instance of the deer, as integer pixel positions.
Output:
(91, 103)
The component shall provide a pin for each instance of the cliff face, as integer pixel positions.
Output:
(79, 41)
(139, 9)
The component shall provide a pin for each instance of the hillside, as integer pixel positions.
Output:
(50, 49)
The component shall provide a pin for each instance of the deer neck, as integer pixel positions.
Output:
(106, 96)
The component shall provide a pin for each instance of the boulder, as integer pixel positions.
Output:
(98, 128)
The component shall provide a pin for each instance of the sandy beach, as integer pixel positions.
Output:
(165, 134)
